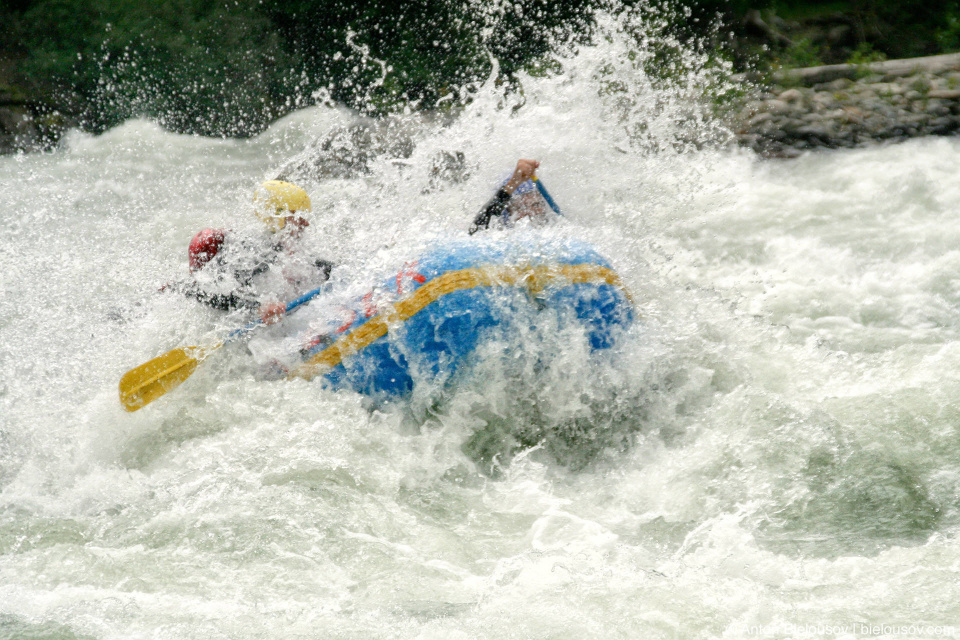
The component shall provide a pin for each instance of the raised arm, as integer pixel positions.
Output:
(525, 170)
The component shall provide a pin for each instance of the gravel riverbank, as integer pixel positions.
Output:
(843, 106)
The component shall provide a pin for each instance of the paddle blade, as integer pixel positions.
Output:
(142, 385)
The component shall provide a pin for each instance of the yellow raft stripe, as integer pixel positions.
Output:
(534, 278)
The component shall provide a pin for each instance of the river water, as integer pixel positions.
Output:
(771, 453)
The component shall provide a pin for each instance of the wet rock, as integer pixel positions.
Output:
(348, 151)
(825, 100)
(447, 167)
(819, 131)
(840, 84)
(28, 124)
(773, 106)
(759, 119)
(937, 108)
(943, 126)
(23, 129)
(793, 96)
(886, 88)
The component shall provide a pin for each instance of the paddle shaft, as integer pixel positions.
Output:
(142, 385)
(546, 196)
(242, 331)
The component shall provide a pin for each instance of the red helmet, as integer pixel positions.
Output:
(204, 246)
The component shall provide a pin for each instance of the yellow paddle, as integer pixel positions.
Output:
(142, 385)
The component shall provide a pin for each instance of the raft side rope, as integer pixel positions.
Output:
(534, 278)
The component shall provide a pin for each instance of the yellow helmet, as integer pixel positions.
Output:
(275, 201)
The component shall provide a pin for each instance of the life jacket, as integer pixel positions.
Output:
(204, 246)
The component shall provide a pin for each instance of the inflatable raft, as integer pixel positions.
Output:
(426, 319)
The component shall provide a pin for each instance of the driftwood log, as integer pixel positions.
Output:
(889, 69)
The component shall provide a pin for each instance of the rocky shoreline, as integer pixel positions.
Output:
(787, 113)
(847, 106)
(27, 124)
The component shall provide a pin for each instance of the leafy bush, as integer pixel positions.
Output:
(193, 66)
(802, 53)
(948, 36)
(865, 54)
(229, 67)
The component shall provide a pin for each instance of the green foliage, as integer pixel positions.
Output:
(419, 51)
(193, 66)
(948, 36)
(229, 67)
(903, 29)
(802, 53)
(865, 54)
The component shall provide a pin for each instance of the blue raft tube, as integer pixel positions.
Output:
(428, 317)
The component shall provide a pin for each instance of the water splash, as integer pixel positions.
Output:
(777, 447)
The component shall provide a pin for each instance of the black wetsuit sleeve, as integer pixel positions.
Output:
(325, 267)
(493, 208)
(243, 296)
(221, 301)
(227, 302)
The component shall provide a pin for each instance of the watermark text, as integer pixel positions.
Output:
(851, 629)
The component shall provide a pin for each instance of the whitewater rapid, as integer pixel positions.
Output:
(778, 442)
